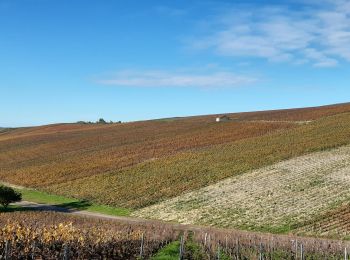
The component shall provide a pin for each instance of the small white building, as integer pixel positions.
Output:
(222, 119)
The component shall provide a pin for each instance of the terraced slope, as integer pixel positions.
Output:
(276, 198)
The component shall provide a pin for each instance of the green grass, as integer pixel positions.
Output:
(193, 250)
(61, 201)
(43, 197)
(169, 252)
(281, 229)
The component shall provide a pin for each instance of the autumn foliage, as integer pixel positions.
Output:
(137, 164)
(44, 235)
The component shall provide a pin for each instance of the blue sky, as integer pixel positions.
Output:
(64, 61)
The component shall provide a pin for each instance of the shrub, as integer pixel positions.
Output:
(8, 195)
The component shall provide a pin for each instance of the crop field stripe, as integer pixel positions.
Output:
(334, 224)
(169, 177)
(65, 156)
(287, 193)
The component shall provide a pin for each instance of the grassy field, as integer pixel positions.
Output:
(61, 201)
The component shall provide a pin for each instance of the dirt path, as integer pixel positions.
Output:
(89, 214)
(48, 207)
(12, 185)
(85, 213)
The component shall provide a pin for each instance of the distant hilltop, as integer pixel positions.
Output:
(100, 121)
(3, 129)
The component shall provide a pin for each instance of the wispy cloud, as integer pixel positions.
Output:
(315, 34)
(129, 78)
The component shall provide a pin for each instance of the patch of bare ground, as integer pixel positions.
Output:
(271, 198)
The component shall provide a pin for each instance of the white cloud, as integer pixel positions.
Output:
(170, 79)
(316, 34)
(319, 58)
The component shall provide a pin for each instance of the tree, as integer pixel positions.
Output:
(101, 121)
(8, 195)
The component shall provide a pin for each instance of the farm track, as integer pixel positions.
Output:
(289, 192)
(84, 213)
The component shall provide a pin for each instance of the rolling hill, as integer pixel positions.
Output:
(150, 166)
(277, 198)
(4, 129)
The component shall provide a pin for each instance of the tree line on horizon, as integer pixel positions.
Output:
(100, 121)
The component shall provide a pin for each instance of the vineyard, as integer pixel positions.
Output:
(194, 170)
(277, 198)
(58, 236)
(165, 178)
(332, 224)
(56, 157)
(299, 114)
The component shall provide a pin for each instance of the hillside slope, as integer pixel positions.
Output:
(57, 156)
(138, 164)
(153, 181)
(277, 198)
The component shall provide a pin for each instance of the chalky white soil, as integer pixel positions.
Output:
(291, 191)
